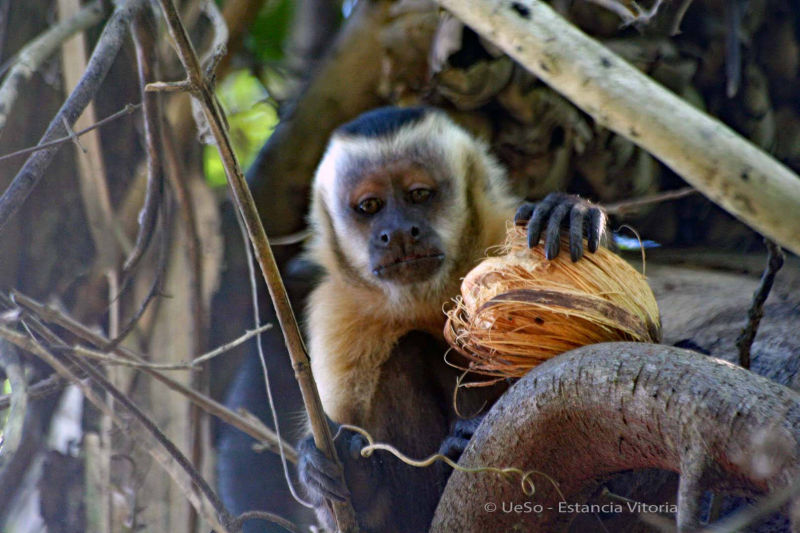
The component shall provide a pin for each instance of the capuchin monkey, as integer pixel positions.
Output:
(404, 204)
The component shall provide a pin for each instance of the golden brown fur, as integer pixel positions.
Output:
(376, 346)
(352, 323)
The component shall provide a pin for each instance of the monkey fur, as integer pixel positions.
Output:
(404, 204)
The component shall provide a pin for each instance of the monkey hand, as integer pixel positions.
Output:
(322, 477)
(550, 215)
(456, 442)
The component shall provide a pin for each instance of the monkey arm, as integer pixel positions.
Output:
(560, 210)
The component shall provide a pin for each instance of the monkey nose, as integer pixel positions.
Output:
(400, 237)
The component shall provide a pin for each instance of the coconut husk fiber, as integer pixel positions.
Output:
(518, 309)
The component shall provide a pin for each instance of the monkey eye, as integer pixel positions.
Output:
(369, 206)
(420, 195)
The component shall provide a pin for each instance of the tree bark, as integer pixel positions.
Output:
(611, 407)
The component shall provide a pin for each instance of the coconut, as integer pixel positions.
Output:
(518, 309)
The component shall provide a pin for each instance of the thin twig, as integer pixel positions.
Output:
(169, 86)
(72, 136)
(196, 477)
(269, 517)
(202, 91)
(745, 340)
(292, 238)
(153, 291)
(104, 355)
(102, 58)
(219, 47)
(127, 110)
(251, 274)
(630, 12)
(625, 206)
(41, 389)
(30, 58)
(258, 432)
(676, 24)
(207, 501)
(142, 30)
(748, 516)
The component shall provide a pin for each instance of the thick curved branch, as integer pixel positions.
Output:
(726, 168)
(611, 407)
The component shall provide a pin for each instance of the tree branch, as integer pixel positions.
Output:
(204, 500)
(756, 312)
(258, 431)
(612, 407)
(29, 59)
(127, 110)
(142, 30)
(40, 389)
(729, 170)
(203, 92)
(103, 56)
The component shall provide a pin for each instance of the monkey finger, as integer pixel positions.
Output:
(540, 213)
(597, 226)
(356, 444)
(553, 233)
(453, 446)
(313, 460)
(523, 214)
(326, 488)
(577, 218)
(320, 481)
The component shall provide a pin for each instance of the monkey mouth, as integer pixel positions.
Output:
(409, 268)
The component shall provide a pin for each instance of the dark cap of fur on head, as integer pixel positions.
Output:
(383, 121)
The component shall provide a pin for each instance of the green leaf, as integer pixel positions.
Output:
(250, 117)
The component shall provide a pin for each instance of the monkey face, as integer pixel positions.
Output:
(392, 207)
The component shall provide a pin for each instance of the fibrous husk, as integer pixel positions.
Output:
(518, 309)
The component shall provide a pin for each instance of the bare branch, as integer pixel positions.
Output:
(625, 206)
(31, 57)
(257, 431)
(127, 110)
(40, 389)
(729, 170)
(756, 312)
(194, 363)
(143, 29)
(203, 92)
(205, 501)
(269, 517)
(616, 406)
(219, 47)
(103, 56)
